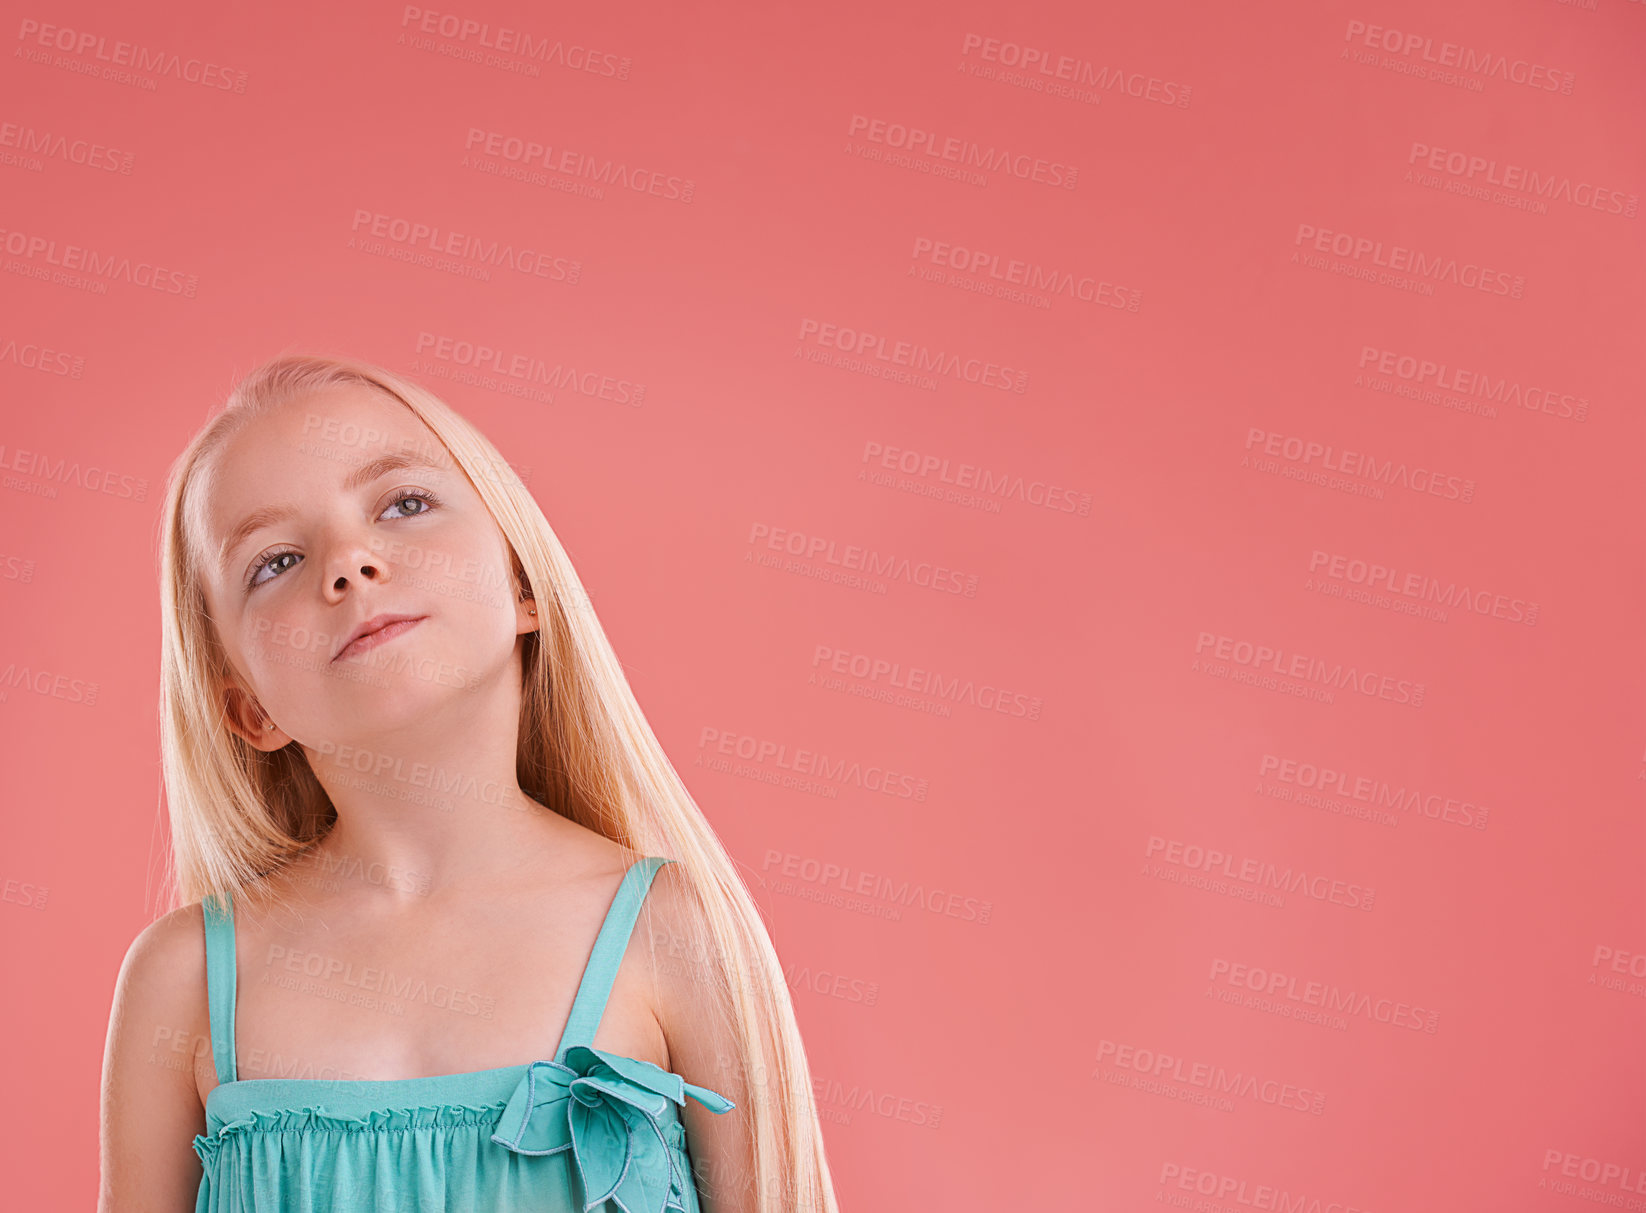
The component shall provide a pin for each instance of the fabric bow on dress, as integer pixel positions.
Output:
(608, 1111)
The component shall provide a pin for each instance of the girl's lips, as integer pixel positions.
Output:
(383, 634)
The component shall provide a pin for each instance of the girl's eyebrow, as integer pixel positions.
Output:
(362, 474)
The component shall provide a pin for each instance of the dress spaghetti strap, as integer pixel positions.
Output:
(220, 981)
(601, 970)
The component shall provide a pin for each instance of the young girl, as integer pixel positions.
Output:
(454, 935)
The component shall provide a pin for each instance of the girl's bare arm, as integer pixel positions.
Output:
(159, 1031)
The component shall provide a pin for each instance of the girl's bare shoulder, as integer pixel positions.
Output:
(161, 1022)
(168, 958)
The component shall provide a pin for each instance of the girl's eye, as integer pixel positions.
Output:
(426, 499)
(267, 560)
(425, 502)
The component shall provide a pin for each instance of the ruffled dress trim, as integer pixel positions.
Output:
(615, 1119)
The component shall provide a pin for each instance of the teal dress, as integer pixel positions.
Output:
(587, 1130)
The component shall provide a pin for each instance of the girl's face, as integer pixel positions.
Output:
(325, 515)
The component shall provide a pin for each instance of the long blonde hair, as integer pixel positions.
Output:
(586, 752)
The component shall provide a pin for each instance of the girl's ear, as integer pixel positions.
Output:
(525, 606)
(245, 718)
(525, 611)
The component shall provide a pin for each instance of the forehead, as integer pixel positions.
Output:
(340, 424)
(306, 446)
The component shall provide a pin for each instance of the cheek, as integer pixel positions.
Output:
(278, 645)
(463, 573)
(483, 619)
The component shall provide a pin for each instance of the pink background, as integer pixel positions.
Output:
(1319, 304)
